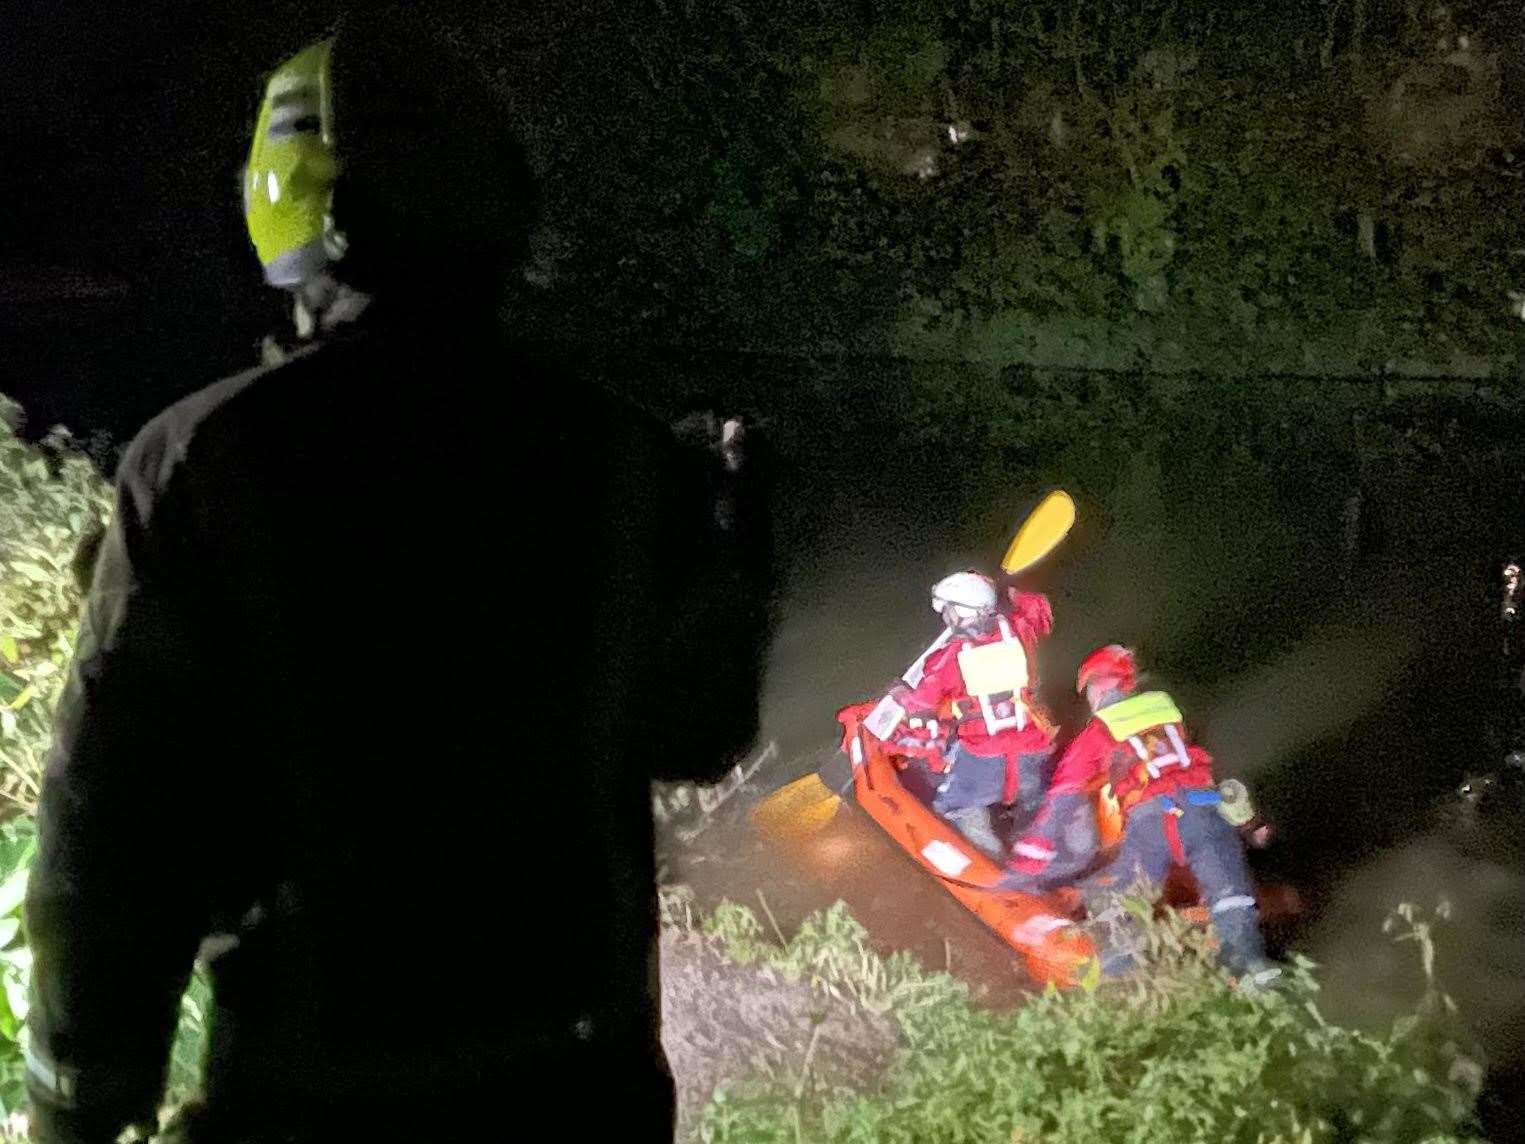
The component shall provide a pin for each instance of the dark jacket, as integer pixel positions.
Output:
(383, 647)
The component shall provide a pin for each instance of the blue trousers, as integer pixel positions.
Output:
(980, 780)
(1215, 856)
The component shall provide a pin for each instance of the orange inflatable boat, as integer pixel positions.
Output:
(1041, 929)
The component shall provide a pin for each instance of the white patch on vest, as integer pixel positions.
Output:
(945, 858)
(884, 718)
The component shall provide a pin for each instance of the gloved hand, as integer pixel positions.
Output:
(733, 437)
(1257, 833)
(740, 474)
(724, 437)
(1032, 609)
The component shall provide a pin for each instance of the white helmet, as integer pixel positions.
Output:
(969, 594)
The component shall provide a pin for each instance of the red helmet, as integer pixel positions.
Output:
(1113, 662)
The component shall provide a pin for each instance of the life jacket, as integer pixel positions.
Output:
(995, 676)
(1150, 725)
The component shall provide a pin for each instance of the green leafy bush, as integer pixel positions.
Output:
(48, 506)
(1177, 1054)
(1063, 182)
(18, 845)
(53, 506)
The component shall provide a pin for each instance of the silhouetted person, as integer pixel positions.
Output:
(384, 646)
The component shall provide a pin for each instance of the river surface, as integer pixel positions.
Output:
(1328, 621)
(1326, 614)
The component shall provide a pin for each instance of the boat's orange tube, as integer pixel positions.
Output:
(1040, 928)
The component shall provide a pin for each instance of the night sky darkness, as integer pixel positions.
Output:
(125, 276)
(126, 279)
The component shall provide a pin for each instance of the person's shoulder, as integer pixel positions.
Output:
(947, 654)
(1093, 736)
(162, 445)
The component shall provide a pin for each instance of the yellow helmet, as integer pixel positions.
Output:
(424, 191)
(289, 179)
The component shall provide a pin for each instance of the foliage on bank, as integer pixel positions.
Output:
(54, 506)
(51, 501)
(18, 847)
(1179, 1054)
(1067, 182)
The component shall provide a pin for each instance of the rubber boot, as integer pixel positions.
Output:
(973, 823)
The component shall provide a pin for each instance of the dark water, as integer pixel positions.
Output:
(1344, 663)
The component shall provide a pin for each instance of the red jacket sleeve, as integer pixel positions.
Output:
(1084, 761)
(941, 680)
(1062, 839)
(1032, 614)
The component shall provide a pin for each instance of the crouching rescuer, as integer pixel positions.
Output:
(1136, 744)
(983, 675)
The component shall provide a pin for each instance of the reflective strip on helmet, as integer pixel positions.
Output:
(298, 101)
(293, 267)
(857, 751)
(284, 84)
(287, 121)
(1236, 902)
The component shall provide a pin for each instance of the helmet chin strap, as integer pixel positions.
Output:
(324, 303)
(977, 624)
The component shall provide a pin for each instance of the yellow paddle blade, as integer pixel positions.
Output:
(1049, 523)
(796, 811)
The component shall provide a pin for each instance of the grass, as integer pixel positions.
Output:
(1178, 1053)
